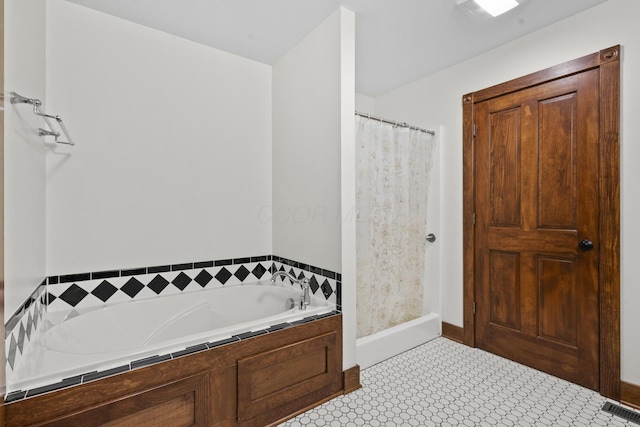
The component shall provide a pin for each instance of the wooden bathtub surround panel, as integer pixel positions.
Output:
(452, 332)
(351, 379)
(220, 389)
(269, 380)
(180, 404)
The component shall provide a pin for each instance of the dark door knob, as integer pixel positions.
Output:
(586, 245)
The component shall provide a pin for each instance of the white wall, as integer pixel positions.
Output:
(173, 155)
(313, 141)
(437, 99)
(365, 104)
(348, 185)
(24, 152)
(306, 148)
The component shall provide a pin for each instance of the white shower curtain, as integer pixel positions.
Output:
(391, 210)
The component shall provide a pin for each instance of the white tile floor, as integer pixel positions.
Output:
(442, 383)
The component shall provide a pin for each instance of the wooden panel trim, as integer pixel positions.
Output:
(452, 332)
(609, 238)
(552, 73)
(112, 412)
(351, 379)
(608, 63)
(630, 394)
(468, 222)
(267, 380)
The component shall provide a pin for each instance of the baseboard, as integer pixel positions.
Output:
(630, 394)
(351, 379)
(453, 332)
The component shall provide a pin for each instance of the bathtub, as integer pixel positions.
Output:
(100, 339)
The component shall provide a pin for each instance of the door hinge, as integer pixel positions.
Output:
(473, 131)
(474, 307)
(474, 218)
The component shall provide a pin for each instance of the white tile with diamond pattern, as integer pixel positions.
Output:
(442, 383)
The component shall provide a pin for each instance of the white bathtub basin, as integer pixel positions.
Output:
(118, 334)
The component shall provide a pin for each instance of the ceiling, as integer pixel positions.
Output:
(397, 41)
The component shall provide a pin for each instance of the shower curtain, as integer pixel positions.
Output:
(393, 165)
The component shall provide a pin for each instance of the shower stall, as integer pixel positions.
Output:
(397, 300)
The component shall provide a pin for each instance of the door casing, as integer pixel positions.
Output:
(608, 63)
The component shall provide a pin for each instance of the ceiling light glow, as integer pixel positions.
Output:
(497, 7)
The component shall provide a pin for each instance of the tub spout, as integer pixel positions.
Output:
(305, 298)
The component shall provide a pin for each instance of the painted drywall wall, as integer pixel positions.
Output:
(313, 142)
(24, 157)
(306, 148)
(172, 161)
(437, 99)
(365, 104)
(348, 184)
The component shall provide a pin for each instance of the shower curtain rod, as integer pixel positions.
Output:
(391, 122)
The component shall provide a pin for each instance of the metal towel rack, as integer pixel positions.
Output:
(19, 99)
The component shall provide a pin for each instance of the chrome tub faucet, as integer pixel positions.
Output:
(305, 299)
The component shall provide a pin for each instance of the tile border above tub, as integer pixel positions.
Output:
(82, 290)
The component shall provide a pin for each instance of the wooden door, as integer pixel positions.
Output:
(542, 220)
(536, 201)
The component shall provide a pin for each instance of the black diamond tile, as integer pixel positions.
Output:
(29, 326)
(21, 336)
(259, 271)
(48, 298)
(242, 273)
(158, 284)
(223, 275)
(73, 295)
(181, 281)
(301, 275)
(273, 268)
(203, 278)
(132, 287)
(326, 289)
(313, 283)
(104, 291)
(36, 317)
(12, 351)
